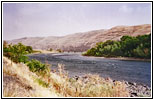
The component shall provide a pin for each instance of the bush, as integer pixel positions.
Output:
(16, 52)
(59, 50)
(29, 49)
(37, 67)
(50, 49)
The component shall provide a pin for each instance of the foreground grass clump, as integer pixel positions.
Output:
(87, 86)
(41, 82)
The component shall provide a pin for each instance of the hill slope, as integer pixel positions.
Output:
(82, 41)
(18, 81)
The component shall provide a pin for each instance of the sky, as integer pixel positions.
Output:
(60, 19)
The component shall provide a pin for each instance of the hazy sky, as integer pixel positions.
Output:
(59, 19)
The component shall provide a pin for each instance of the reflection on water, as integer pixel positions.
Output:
(75, 64)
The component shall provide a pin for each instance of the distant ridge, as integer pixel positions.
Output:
(80, 42)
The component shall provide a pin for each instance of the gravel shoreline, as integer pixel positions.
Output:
(138, 90)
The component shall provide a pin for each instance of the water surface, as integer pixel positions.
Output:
(75, 64)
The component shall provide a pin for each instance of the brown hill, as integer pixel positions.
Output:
(82, 41)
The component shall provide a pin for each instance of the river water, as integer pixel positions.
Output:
(76, 64)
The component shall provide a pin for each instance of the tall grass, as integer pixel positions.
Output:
(25, 76)
(58, 84)
(87, 86)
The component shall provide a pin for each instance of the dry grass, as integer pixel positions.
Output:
(87, 86)
(45, 51)
(59, 84)
(24, 76)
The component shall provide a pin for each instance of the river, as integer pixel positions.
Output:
(76, 65)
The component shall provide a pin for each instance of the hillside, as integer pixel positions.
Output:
(82, 41)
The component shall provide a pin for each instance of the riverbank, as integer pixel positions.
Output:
(112, 58)
(123, 58)
(37, 51)
(129, 58)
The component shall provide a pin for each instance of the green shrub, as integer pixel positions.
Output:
(29, 49)
(59, 50)
(42, 83)
(50, 49)
(37, 67)
(16, 52)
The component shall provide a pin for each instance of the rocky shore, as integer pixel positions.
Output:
(138, 90)
(135, 90)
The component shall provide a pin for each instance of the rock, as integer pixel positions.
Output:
(132, 83)
(76, 77)
(133, 94)
(138, 90)
(126, 83)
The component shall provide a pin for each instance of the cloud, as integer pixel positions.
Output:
(125, 9)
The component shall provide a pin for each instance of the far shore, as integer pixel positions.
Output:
(44, 51)
(123, 58)
(114, 58)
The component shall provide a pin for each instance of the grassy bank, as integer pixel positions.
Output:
(19, 81)
(21, 77)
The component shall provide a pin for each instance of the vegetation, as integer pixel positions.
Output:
(16, 52)
(59, 50)
(56, 84)
(87, 86)
(139, 47)
(42, 83)
(50, 49)
(19, 81)
(59, 84)
(39, 68)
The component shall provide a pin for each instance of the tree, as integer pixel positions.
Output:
(17, 52)
(128, 46)
(29, 49)
(50, 49)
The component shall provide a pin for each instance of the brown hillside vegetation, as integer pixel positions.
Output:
(18, 81)
(83, 41)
